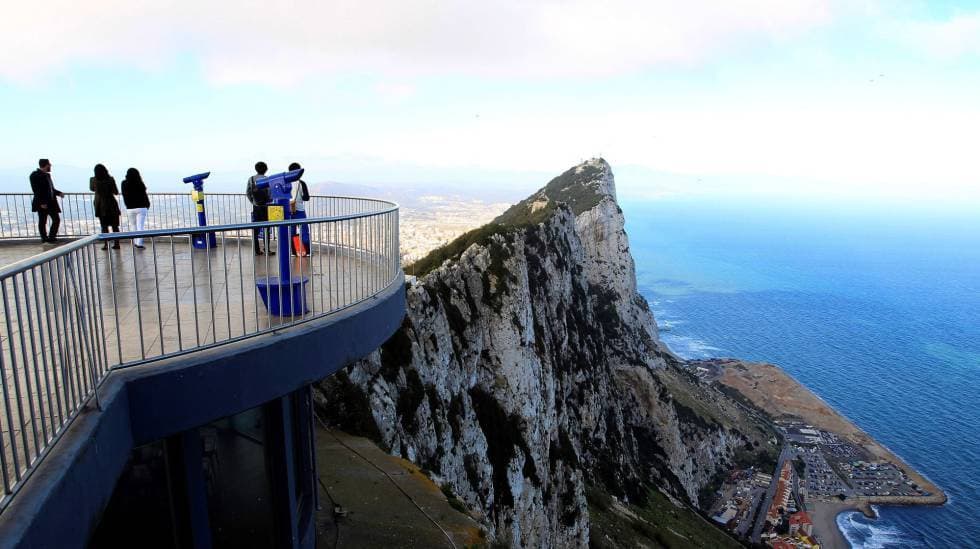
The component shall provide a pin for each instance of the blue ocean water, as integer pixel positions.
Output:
(876, 310)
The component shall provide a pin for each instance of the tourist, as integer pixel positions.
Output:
(297, 205)
(260, 199)
(106, 203)
(137, 202)
(45, 201)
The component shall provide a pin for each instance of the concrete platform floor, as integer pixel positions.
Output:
(374, 512)
(62, 328)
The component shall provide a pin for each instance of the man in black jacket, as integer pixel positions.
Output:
(45, 201)
(260, 199)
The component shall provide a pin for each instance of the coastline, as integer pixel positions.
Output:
(779, 394)
(824, 516)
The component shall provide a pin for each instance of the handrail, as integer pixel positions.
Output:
(45, 256)
(167, 210)
(72, 315)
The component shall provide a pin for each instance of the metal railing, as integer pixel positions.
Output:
(73, 314)
(167, 211)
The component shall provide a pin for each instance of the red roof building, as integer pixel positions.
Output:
(800, 522)
(783, 491)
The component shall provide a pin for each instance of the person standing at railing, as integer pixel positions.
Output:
(45, 201)
(137, 202)
(301, 195)
(106, 203)
(260, 199)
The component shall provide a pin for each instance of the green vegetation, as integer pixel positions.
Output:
(409, 400)
(599, 500)
(800, 467)
(658, 523)
(764, 460)
(688, 416)
(690, 401)
(737, 396)
(396, 352)
(704, 406)
(574, 189)
(454, 249)
(454, 501)
(708, 492)
(350, 408)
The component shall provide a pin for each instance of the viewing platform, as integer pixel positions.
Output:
(170, 338)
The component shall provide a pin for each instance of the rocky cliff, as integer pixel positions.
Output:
(528, 371)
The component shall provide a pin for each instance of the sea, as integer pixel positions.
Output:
(875, 308)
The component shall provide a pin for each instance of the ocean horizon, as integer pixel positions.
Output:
(876, 310)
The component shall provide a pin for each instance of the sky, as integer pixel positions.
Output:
(862, 101)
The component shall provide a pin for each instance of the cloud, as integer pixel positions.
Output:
(949, 39)
(281, 42)
(868, 146)
(395, 92)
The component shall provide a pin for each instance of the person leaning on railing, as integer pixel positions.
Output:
(137, 202)
(260, 199)
(45, 201)
(106, 204)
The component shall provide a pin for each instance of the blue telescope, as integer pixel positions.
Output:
(280, 185)
(200, 241)
(197, 180)
(284, 295)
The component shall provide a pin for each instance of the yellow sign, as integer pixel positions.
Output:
(197, 195)
(276, 213)
(200, 207)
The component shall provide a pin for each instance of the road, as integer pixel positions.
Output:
(760, 521)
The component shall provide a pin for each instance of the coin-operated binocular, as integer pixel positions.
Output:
(200, 241)
(284, 295)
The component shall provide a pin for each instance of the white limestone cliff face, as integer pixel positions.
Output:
(529, 367)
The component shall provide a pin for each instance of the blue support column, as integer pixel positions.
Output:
(310, 502)
(197, 495)
(289, 460)
(284, 262)
(279, 453)
(188, 490)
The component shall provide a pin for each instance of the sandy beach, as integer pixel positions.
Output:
(824, 516)
(779, 394)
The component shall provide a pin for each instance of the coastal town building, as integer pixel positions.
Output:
(763, 480)
(784, 489)
(800, 523)
(726, 516)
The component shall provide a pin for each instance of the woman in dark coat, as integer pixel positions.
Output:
(137, 202)
(106, 204)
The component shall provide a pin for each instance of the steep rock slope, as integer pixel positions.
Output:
(528, 368)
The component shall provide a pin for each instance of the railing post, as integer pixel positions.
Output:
(83, 333)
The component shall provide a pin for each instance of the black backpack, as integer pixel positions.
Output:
(261, 196)
(257, 196)
(303, 191)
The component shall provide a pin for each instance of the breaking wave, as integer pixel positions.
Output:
(863, 533)
(689, 348)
